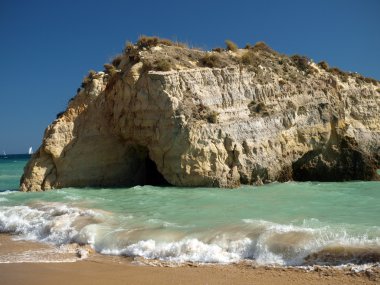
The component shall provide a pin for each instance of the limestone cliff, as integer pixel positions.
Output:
(166, 113)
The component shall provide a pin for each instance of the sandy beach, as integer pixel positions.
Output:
(99, 269)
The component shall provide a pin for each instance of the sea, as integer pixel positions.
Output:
(280, 224)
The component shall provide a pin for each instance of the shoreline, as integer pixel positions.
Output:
(104, 269)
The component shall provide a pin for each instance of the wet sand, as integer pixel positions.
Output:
(98, 269)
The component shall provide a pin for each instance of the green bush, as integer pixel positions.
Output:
(230, 45)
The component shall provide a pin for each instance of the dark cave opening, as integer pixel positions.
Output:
(150, 174)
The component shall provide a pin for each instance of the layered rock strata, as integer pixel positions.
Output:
(253, 117)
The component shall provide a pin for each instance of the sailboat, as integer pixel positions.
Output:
(4, 154)
(30, 150)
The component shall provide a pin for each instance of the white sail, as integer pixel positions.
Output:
(4, 153)
(30, 150)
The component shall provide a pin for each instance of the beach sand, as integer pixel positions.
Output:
(99, 269)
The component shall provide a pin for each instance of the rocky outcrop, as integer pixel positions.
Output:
(160, 114)
(339, 162)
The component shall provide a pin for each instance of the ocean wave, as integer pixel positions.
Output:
(309, 243)
(184, 251)
(7, 192)
(53, 223)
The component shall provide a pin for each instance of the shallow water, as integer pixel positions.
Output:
(285, 224)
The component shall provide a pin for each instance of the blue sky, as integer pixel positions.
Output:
(47, 47)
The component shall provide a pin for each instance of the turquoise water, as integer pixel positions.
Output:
(285, 224)
(11, 169)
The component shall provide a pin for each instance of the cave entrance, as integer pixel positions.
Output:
(150, 174)
(141, 169)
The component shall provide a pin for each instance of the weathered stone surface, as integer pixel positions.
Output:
(205, 126)
(340, 162)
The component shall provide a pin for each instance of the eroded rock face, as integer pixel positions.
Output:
(340, 162)
(221, 127)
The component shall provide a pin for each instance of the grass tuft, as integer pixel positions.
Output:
(230, 45)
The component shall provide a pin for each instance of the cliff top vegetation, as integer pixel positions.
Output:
(157, 54)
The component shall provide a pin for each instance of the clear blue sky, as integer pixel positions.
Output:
(47, 47)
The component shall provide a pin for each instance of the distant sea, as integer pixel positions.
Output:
(277, 224)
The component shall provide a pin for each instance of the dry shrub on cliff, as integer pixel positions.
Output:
(129, 46)
(147, 42)
(211, 60)
(160, 64)
(249, 58)
(117, 60)
(110, 69)
(212, 117)
(218, 49)
(204, 113)
(85, 81)
(340, 73)
(261, 46)
(301, 62)
(91, 73)
(324, 65)
(371, 80)
(257, 108)
(163, 65)
(88, 78)
(59, 115)
(131, 52)
(230, 45)
(108, 66)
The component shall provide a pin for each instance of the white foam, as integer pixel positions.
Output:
(182, 251)
(54, 223)
(262, 241)
(7, 192)
(165, 224)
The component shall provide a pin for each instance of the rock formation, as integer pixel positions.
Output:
(164, 113)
